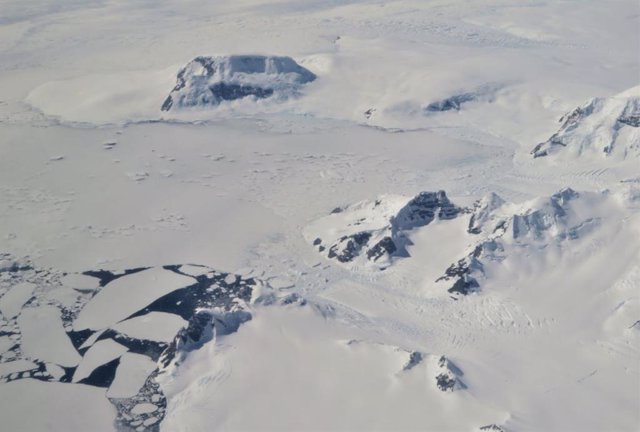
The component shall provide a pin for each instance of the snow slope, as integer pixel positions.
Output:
(600, 128)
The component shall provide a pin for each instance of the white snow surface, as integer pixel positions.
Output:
(31, 405)
(601, 128)
(409, 96)
(309, 382)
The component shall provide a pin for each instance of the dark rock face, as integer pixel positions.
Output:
(465, 285)
(483, 93)
(445, 382)
(386, 246)
(230, 92)
(448, 379)
(293, 299)
(415, 358)
(212, 303)
(387, 236)
(199, 331)
(632, 120)
(348, 247)
(631, 115)
(460, 272)
(213, 80)
(452, 103)
(492, 428)
(422, 209)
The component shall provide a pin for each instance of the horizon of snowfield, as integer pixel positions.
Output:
(320, 216)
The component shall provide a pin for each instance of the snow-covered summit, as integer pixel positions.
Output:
(535, 230)
(602, 127)
(372, 232)
(212, 80)
(557, 214)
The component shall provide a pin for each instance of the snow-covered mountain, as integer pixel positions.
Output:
(372, 233)
(601, 128)
(207, 81)
(538, 230)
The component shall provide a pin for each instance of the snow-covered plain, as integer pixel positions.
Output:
(322, 289)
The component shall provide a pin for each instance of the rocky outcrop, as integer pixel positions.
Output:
(448, 376)
(451, 103)
(461, 273)
(376, 232)
(455, 102)
(210, 81)
(492, 428)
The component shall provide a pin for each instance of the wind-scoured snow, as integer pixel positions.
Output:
(50, 407)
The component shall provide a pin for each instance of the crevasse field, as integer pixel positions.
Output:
(278, 215)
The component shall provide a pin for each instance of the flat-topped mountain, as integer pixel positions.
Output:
(210, 81)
